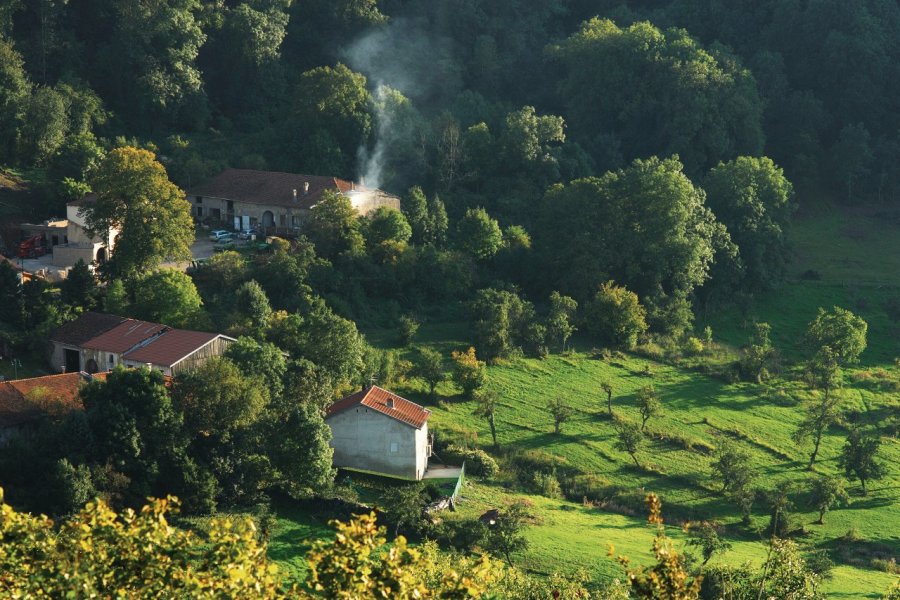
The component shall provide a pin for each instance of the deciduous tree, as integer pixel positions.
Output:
(134, 196)
(823, 373)
(468, 372)
(825, 493)
(840, 330)
(859, 458)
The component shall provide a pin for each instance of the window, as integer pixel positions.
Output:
(395, 447)
(230, 206)
(215, 213)
(295, 220)
(112, 359)
(199, 211)
(199, 199)
(282, 220)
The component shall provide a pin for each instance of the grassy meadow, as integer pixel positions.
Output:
(844, 258)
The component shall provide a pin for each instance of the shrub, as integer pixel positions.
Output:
(547, 485)
(693, 346)
(478, 462)
(616, 316)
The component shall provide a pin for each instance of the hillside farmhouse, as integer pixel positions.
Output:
(76, 243)
(275, 203)
(24, 401)
(378, 431)
(98, 342)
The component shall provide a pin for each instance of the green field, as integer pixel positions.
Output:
(853, 270)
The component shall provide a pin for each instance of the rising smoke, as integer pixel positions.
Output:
(409, 57)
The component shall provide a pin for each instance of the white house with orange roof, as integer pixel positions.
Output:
(378, 431)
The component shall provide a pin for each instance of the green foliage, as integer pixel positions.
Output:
(14, 90)
(478, 462)
(787, 575)
(79, 287)
(45, 125)
(501, 320)
(115, 298)
(468, 372)
(632, 80)
(167, 296)
(429, 367)
(486, 406)
(408, 326)
(334, 228)
(646, 227)
(251, 301)
(733, 467)
(704, 535)
(505, 532)
(358, 565)
(560, 317)
(841, 331)
(824, 373)
(758, 358)
(331, 105)
(135, 196)
(752, 198)
(615, 316)
(478, 234)
(262, 360)
(629, 439)
(648, 404)
(859, 459)
(560, 411)
(405, 505)
(138, 555)
(825, 493)
(668, 578)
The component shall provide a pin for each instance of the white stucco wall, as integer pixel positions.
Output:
(366, 439)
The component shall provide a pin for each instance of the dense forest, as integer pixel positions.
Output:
(583, 183)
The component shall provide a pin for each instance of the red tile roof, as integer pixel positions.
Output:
(24, 400)
(270, 188)
(86, 327)
(385, 402)
(124, 336)
(171, 347)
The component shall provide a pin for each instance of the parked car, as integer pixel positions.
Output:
(219, 234)
(224, 244)
(246, 234)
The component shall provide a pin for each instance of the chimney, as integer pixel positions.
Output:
(305, 188)
(295, 194)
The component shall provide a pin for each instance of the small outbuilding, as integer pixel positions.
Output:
(378, 431)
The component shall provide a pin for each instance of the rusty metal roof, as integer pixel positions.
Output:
(270, 188)
(87, 326)
(171, 347)
(385, 402)
(125, 336)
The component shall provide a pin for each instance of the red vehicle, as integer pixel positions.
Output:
(32, 247)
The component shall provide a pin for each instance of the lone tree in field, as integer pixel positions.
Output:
(505, 532)
(560, 411)
(486, 407)
(430, 368)
(840, 330)
(629, 439)
(608, 389)
(648, 404)
(559, 320)
(468, 372)
(826, 493)
(135, 196)
(823, 373)
(859, 458)
(732, 465)
(758, 358)
(706, 537)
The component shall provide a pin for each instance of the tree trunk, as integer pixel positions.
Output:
(634, 458)
(863, 482)
(609, 403)
(493, 430)
(812, 459)
(556, 426)
(821, 520)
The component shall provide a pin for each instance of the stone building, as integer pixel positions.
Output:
(378, 431)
